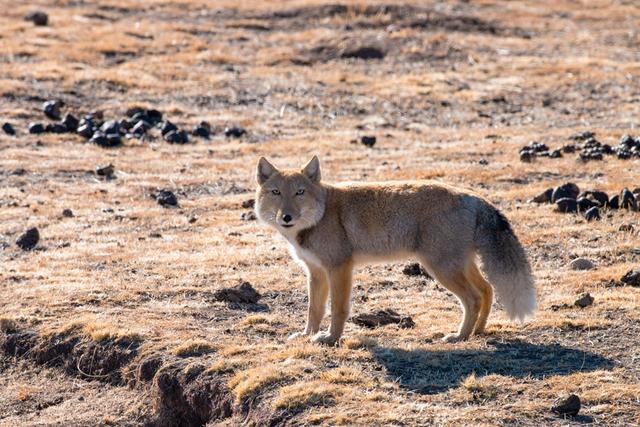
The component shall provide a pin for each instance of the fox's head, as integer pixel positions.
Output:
(290, 200)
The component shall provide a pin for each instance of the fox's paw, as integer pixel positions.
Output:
(325, 338)
(297, 335)
(451, 338)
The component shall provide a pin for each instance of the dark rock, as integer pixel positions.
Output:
(56, 128)
(248, 216)
(582, 136)
(627, 142)
(167, 127)
(52, 109)
(36, 128)
(29, 239)
(113, 139)
(243, 294)
(8, 129)
(100, 139)
(140, 128)
(67, 213)
(555, 154)
(70, 122)
(581, 264)
(584, 300)
(592, 214)
(414, 269)
(134, 110)
(566, 205)
(568, 190)
(177, 137)
(600, 198)
(614, 202)
(110, 127)
(631, 278)
(626, 228)
(628, 200)
(544, 197)
(85, 130)
(249, 203)
(368, 141)
(234, 132)
(363, 52)
(623, 154)
(166, 198)
(203, 130)
(569, 405)
(125, 124)
(584, 204)
(140, 116)
(154, 116)
(535, 147)
(569, 148)
(378, 318)
(38, 18)
(527, 156)
(106, 171)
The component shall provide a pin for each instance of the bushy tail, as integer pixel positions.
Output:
(505, 263)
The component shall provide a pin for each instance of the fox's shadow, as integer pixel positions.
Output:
(429, 372)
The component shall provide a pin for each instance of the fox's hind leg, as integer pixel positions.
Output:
(486, 295)
(467, 294)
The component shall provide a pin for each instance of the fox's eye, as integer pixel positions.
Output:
(275, 192)
(300, 192)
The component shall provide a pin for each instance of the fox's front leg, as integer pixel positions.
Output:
(318, 291)
(340, 286)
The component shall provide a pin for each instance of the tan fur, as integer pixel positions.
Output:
(332, 227)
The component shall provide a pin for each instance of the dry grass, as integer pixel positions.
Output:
(561, 67)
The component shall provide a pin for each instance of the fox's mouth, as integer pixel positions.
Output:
(287, 225)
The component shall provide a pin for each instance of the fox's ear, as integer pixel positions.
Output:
(312, 170)
(265, 170)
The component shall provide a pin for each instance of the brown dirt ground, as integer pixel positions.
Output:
(459, 82)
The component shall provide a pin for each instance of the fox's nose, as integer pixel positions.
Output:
(286, 218)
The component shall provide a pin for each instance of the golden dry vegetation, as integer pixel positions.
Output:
(112, 319)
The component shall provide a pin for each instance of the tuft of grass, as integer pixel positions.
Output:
(342, 375)
(249, 383)
(193, 348)
(8, 325)
(480, 388)
(306, 394)
(359, 341)
(223, 366)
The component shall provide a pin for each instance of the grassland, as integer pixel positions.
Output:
(114, 309)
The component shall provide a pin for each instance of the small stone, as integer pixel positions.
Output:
(569, 190)
(582, 136)
(38, 18)
(166, 198)
(628, 200)
(177, 137)
(584, 204)
(626, 228)
(203, 130)
(85, 130)
(154, 116)
(569, 405)
(368, 141)
(106, 171)
(52, 109)
(600, 198)
(140, 128)
(36, 128)
(614, 202)
(113, 139)
(584, 300)
(567, 205)
(167, 127)
(248, 216)
(249, 203)
(234, 131)
(592, 214)
(8, 129)
(126, 124)
(526, 156)
(378, 318)
(569, 148)
(67, 213)
(70, 122)
(414, 269)
(581, 264)
(110, 127)
(555, 154)
(243, 293)
(544, 197)
(56, 128)
(631, 278)
(134, 110)
(29, 239)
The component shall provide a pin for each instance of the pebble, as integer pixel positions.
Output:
(36, 128)
(569, 190)
(29, 239)
(614, 202)
(249, 203)
(177, 137)
(166, 198)
(203, 130)
(628, 200)
(167, 127)
(154, 116)
(584, 300)
(581, 264)
(110, 127)
(544, 197)
(52, 109)
(85, 130)
(106, 171)
(631, 278)
(567, 205)
(70, 122)
(584, 204)
(56, 128)
(569, 405)
(67, 213)
(140, 128)
(234, 131)
(592, 214)
(38, 18)
(8, 129)
(368, 141)
(248, 216)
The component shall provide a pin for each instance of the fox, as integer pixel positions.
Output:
(331, 228)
